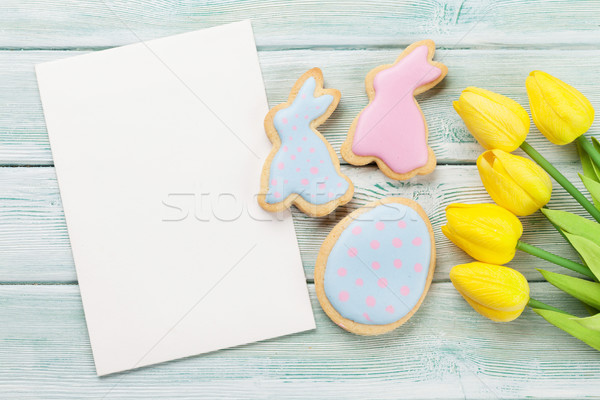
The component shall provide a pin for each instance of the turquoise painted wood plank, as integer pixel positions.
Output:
(24, 141)
(34, 245)
(445, 351)
(302, 23)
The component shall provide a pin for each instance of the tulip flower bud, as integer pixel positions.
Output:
(515, 183)
(559, 110)
(486, 232)
(496, 292)
(496, 121)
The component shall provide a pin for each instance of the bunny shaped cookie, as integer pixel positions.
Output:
(302, 168)
(391, 130)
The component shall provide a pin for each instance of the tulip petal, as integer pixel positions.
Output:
(592, 322)
(569, 324)
(494, 315)
(574, 224)
(588, 250)
(494, 120)
(586, 291)
(559, 111)
(492, 286)
(487, 232)
(513, 182)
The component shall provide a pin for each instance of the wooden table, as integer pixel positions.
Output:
(446, 350)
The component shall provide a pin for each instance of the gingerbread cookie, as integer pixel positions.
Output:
(303, 169)
(391, 130)
(375, 267)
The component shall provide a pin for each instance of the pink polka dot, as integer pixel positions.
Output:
(306, 117)
(312, 149)
(304, 138)
(308, 160)
(390, 309)
(357, 230)
(353, 252)
(303, 96)
(375, 265)
(379, 226)
(398, 263)
(274, 182)
(344, 296)
(284, 120)
(304, 181)
(294, 127)
(285, 182)
(342, 271)
(417, 241)
(321, 161)
(277, 195)
(330, 195)
(314, 170)
(285, 148)
(297, 169)
(317, 107)
(293, 157)
(359, 282)
(326, 178)
(418, 267)
(396, 242)
(299, 149)
(366, 316)
(281, 165)
(374, 244)
(404, 290)
(296, 115)
(370, 301)
(382, 283)
(339, 184)
(321, 186)
(291, 137)
(401, 224)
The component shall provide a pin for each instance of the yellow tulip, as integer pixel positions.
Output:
(515, 183)
(559, 110)
(486, 232)
(496, 121)
(496, 292)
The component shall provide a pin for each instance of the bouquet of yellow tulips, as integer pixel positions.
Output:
(491, 233)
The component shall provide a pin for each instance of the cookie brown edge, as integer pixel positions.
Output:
(346, 150)
(327, 246)
(306, 207)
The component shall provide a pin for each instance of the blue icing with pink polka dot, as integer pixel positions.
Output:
(303, 164)
(377, 270)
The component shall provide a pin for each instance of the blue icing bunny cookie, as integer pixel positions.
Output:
(302, 168)
(375, 267)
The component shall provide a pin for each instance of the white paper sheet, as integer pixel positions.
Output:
(158, 148)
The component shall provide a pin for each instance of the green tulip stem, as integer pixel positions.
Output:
(533, 303)
(560, 178)
(553, 258)
(589, 149)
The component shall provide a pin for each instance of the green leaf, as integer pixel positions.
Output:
(586, 291)
(590, 322)
(574, 224)
(589, 169)
(593, 187)
(590, 309)
(572, 326)
(588, 250)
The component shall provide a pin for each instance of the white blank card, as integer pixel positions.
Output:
(158, 148)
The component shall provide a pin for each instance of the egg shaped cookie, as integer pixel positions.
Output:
(376, 265)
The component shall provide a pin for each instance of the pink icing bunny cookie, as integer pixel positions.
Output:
(391, 130)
